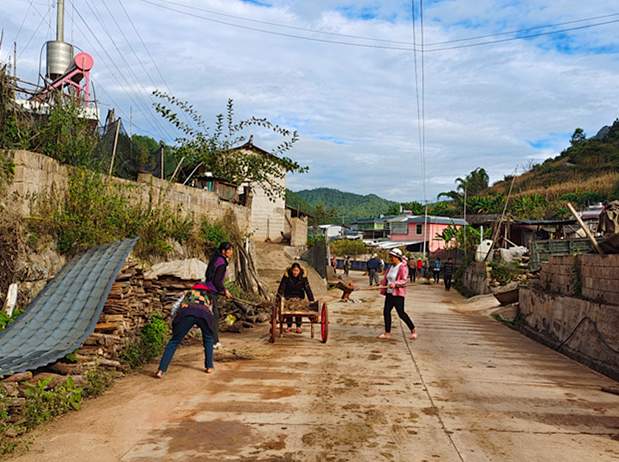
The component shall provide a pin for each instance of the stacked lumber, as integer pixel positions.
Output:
(126, 310)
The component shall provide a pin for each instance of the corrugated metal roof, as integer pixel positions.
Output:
(65, 313)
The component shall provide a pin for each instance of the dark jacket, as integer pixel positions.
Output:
(448, 269)
(373, 263)
(291, 287)
(216, 283)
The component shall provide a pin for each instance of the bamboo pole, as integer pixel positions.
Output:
(115, 144)
(586, 229)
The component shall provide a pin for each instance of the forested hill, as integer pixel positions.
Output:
(349, 205)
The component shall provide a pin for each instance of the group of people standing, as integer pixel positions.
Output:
(198, 305)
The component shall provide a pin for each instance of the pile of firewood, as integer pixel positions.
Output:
(126, 310)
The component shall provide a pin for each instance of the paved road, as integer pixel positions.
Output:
(468, 389)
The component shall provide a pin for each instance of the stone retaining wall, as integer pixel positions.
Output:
(551, 318)
(475, 278)
(36, 174)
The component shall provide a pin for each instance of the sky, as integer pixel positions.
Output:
(496, 84)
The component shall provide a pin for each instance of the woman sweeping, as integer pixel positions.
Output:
(215, 275)
(193, 308)
(294, 284)
(395, 291)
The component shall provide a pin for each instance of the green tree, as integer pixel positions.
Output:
(474, 183)
(578, 137)
(218, 150)
(324, 215)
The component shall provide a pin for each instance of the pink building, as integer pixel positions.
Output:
(409, 230)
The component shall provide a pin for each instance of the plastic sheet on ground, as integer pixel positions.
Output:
(187, 270)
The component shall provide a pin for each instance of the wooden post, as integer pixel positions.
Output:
(115, 144)
(162, 172)
(586, 229)
(176, 170)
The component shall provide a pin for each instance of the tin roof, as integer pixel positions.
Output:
(65, 313)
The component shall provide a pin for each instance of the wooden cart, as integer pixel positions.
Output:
(317, 313)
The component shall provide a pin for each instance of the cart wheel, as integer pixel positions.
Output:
(324, 323)
(273, 324)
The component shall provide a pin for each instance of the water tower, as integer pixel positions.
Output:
(59, 53)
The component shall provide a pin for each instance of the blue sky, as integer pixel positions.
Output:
(496, 106)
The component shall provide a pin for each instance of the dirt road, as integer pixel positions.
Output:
(468, 389)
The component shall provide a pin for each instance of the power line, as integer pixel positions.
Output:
(149, 55)
(361, 45)
(522, 30)
(374, 38)
(282, 25)
(128, 88)
(135, 78)
(523, 37)
(278, 33)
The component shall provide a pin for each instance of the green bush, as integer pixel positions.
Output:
(152, 342)
(96, 382)
(504, 272)
(349, 247)
(42, 404)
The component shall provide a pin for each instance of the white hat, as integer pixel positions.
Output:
(396, 253)
(374, 255)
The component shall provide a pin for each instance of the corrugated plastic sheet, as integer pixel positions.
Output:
(65, 313)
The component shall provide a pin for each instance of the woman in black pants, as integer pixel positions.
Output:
(214, 281)
(395, 290)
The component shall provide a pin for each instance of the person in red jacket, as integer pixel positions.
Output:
(395, 290)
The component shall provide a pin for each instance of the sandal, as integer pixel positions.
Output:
(299, 331)
(413, 335)
(287, 329)
(210, 370)
(384, 336)
(159, 374)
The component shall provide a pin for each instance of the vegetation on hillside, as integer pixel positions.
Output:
(349, 206)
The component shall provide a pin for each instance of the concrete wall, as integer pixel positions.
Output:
(475, 278)
(36, 174)
(297, 228)
(551, 318)
(267, 216)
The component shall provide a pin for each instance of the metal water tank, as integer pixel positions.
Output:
(59, 58)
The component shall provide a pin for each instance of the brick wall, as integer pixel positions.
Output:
(599, 276)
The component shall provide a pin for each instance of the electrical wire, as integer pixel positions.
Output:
(127, 87)
(437, 411)
(378, 39)
(137, 82)
(423, 50)
(614, 350)
(283, 25)
(147, 52)
(22, 23)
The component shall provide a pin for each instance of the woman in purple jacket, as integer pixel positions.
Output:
(214, 280)
(394, 284)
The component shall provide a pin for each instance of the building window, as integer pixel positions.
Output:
(399, 228)
(418, 230)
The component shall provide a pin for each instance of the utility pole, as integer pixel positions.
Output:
(131, 130)
(15, 62)
(464, 223)
(162, 172)
(425, 231)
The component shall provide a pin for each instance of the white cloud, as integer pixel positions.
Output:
(356, 108)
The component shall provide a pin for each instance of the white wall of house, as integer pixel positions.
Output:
(267, 219)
